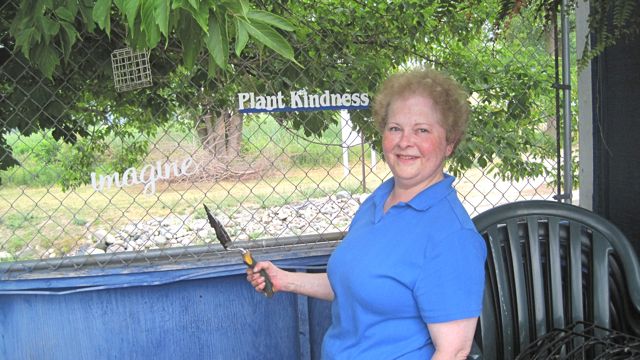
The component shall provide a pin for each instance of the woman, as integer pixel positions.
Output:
(407, 280)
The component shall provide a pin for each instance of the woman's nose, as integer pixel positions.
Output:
(406, 139)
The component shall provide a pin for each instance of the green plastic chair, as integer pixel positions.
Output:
(549, 265)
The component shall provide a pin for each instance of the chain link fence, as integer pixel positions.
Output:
(95, 178)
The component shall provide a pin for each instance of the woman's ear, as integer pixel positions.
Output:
(450, 147)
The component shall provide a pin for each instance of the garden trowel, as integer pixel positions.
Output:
(247, 258)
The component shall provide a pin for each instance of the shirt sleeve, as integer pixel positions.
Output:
(451, 282)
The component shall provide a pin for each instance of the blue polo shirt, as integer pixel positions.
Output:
(420, 262)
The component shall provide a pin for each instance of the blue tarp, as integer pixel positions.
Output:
(191, 311)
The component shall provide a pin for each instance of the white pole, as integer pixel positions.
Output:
(566, 82)
(345, 128)
(374, 160)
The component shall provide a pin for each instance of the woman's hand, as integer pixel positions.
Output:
(258, 281)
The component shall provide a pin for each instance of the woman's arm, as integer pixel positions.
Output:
(309, 284)
(452, 339)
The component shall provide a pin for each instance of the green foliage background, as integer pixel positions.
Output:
(204, 52)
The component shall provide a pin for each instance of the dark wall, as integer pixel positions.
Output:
(616, 100)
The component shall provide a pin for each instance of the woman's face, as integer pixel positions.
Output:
(414, 142)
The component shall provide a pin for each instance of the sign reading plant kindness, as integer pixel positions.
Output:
(248, 102)
(300, 100)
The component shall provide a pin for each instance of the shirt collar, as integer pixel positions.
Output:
(423, 200)
(433, 194)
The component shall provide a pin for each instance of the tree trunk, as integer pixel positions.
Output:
(234, 136)
(222, 137)
(219, 132)
(209, 137)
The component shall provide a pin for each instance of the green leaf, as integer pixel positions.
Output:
(242, 37)
(217, 42)
(271, 38)
(162, 16)
(102, 15)
(120, 4)
(130, 10)
(24, 39)
(138, 38)
(239, 8)
(199, 14)
(270, 19)
(69, 37)
(87, 17)
(46, 59)
(64, 14)
(179, 4)
(213, 67)
(190, 52)
(245, 7)
(153, 37)
(49, 28)
(147, 13)
(190, 36)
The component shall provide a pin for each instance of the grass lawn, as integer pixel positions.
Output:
(43, 218)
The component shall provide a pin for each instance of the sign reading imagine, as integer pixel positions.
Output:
(300, 100)
(148, 175)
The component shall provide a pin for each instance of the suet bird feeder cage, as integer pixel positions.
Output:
(131, 69)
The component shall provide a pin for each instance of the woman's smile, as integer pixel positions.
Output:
(406, 158)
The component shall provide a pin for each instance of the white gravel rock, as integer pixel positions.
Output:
(312, 216)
